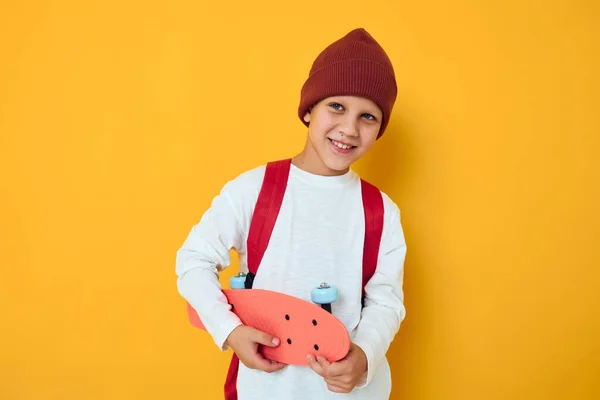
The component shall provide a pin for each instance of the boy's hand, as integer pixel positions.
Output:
(341, 376)
(244, 341)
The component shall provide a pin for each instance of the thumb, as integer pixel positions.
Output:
(265, 339)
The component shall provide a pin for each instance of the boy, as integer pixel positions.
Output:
(318, 236)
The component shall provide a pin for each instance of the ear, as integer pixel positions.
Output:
(306, 117)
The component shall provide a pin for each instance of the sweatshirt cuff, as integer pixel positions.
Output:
(368, 375)
(224, 329)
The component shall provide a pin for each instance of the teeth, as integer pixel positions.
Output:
(341, 146)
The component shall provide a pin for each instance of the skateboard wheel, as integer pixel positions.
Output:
(238, 281)
(324, 294)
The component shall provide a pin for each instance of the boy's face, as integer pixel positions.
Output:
(342, 129)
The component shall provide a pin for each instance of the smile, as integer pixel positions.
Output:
(341, 145)
(341, 148)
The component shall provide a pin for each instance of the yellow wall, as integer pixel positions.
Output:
(120, 121)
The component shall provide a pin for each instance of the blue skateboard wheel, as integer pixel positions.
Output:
(324, 294)
(238, 281)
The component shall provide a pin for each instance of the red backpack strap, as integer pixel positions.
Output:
(373, 207)
(266, 211)
(263, 220)
(231, 380)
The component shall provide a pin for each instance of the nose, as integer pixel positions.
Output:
(349, 126)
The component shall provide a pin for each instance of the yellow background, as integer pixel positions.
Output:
(120, 120)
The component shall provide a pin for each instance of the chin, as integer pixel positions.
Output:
(337, 165)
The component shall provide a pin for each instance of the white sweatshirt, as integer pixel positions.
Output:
(318, 237)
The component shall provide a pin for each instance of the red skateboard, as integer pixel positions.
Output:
(303, 328)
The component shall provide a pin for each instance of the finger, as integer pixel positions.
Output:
(264, 338)
(274, 366)
(337, 389)
(339, 368)
(314, 365)
(324, 364)
(265, 364)
(343, 382)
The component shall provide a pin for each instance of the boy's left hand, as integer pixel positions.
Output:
(341, 376)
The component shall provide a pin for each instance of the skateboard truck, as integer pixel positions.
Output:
(238, 281)
(324, 295)
(242, 281)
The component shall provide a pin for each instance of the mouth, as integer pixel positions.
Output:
(341, 147)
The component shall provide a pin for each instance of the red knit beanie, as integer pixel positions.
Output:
(353, 65)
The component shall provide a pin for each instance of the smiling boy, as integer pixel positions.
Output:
(319, 236)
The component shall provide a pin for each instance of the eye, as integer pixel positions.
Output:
(336, 106)
(370, 117)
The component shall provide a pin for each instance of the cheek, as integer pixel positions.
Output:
(369, 140)
(364, 148)
(321, 128)
(325, 121)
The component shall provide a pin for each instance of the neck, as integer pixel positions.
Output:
(309, 161)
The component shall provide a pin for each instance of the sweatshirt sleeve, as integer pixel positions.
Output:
(384, 304)
(206, 251)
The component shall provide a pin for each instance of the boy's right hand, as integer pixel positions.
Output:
(244, 341)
